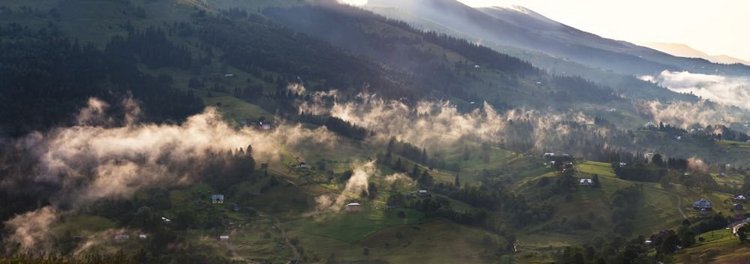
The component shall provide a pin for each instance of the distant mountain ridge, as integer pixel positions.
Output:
(523, 28)
(684, 50)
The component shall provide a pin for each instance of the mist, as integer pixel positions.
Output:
(722, 89)
(438, 124)
(685, 114)
(108, 157)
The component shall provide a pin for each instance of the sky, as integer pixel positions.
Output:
(717, 27)
(713, 26)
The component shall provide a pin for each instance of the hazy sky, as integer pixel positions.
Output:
(712, 26)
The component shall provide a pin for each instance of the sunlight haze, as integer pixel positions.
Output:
(714, 27)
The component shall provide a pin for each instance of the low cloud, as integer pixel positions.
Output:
(438, 124)
(30, 230)
(697, 165)
(355, 186)
(98, 159)
(685, 114)
(722, 89)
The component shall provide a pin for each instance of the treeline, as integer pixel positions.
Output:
(625, 203)
(337, 125)
(252, 43)
(150, 47)
(520, 213)
(664, 244)
(46, 78)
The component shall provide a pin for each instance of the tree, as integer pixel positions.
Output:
(595, 181)
(686, 236)
(425, 180)
(658, 160)
(742, 233)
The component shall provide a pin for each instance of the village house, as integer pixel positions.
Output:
(739, 198)
(585, 182)
(423, 193)
(702, 205)
(224, 238)
(353, 207)
(737, 225)
(217, 199)
(119, 237)
(304, 166)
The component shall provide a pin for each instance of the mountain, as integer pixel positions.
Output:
(683, 50)
(303, 131)
(522, 28)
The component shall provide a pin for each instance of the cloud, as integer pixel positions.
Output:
(437, 124)
(722, 89)
(685, 114)
(697, 165)
(396, 177)
(357, 183)
(97, 159)
(30, 231)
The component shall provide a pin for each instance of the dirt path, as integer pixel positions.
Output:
(679, 203)
(277, 225)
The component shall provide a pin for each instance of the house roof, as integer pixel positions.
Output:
(353, 204)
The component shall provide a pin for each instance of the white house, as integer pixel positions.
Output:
(585, 182)
(224, 238)
(217, 199)
(353, 207)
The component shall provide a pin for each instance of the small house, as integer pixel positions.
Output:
(623, 164)
(353, 207)
(224, 238)
(165, 220)
(585, 182)
(423, 193)
(121, 237)
(217, 199)
(264, 125)
(302, 165)
(143, 236)
(702, 205)
(739, 198)
(229, 75)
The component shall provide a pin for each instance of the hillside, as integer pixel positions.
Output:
(227, 131)
(530, 30)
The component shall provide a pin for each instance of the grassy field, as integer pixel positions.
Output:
(720, 246)
(237, 109)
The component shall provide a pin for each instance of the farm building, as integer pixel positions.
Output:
(353, 207)
(217, 199)
(702, 205)
(585, 182)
